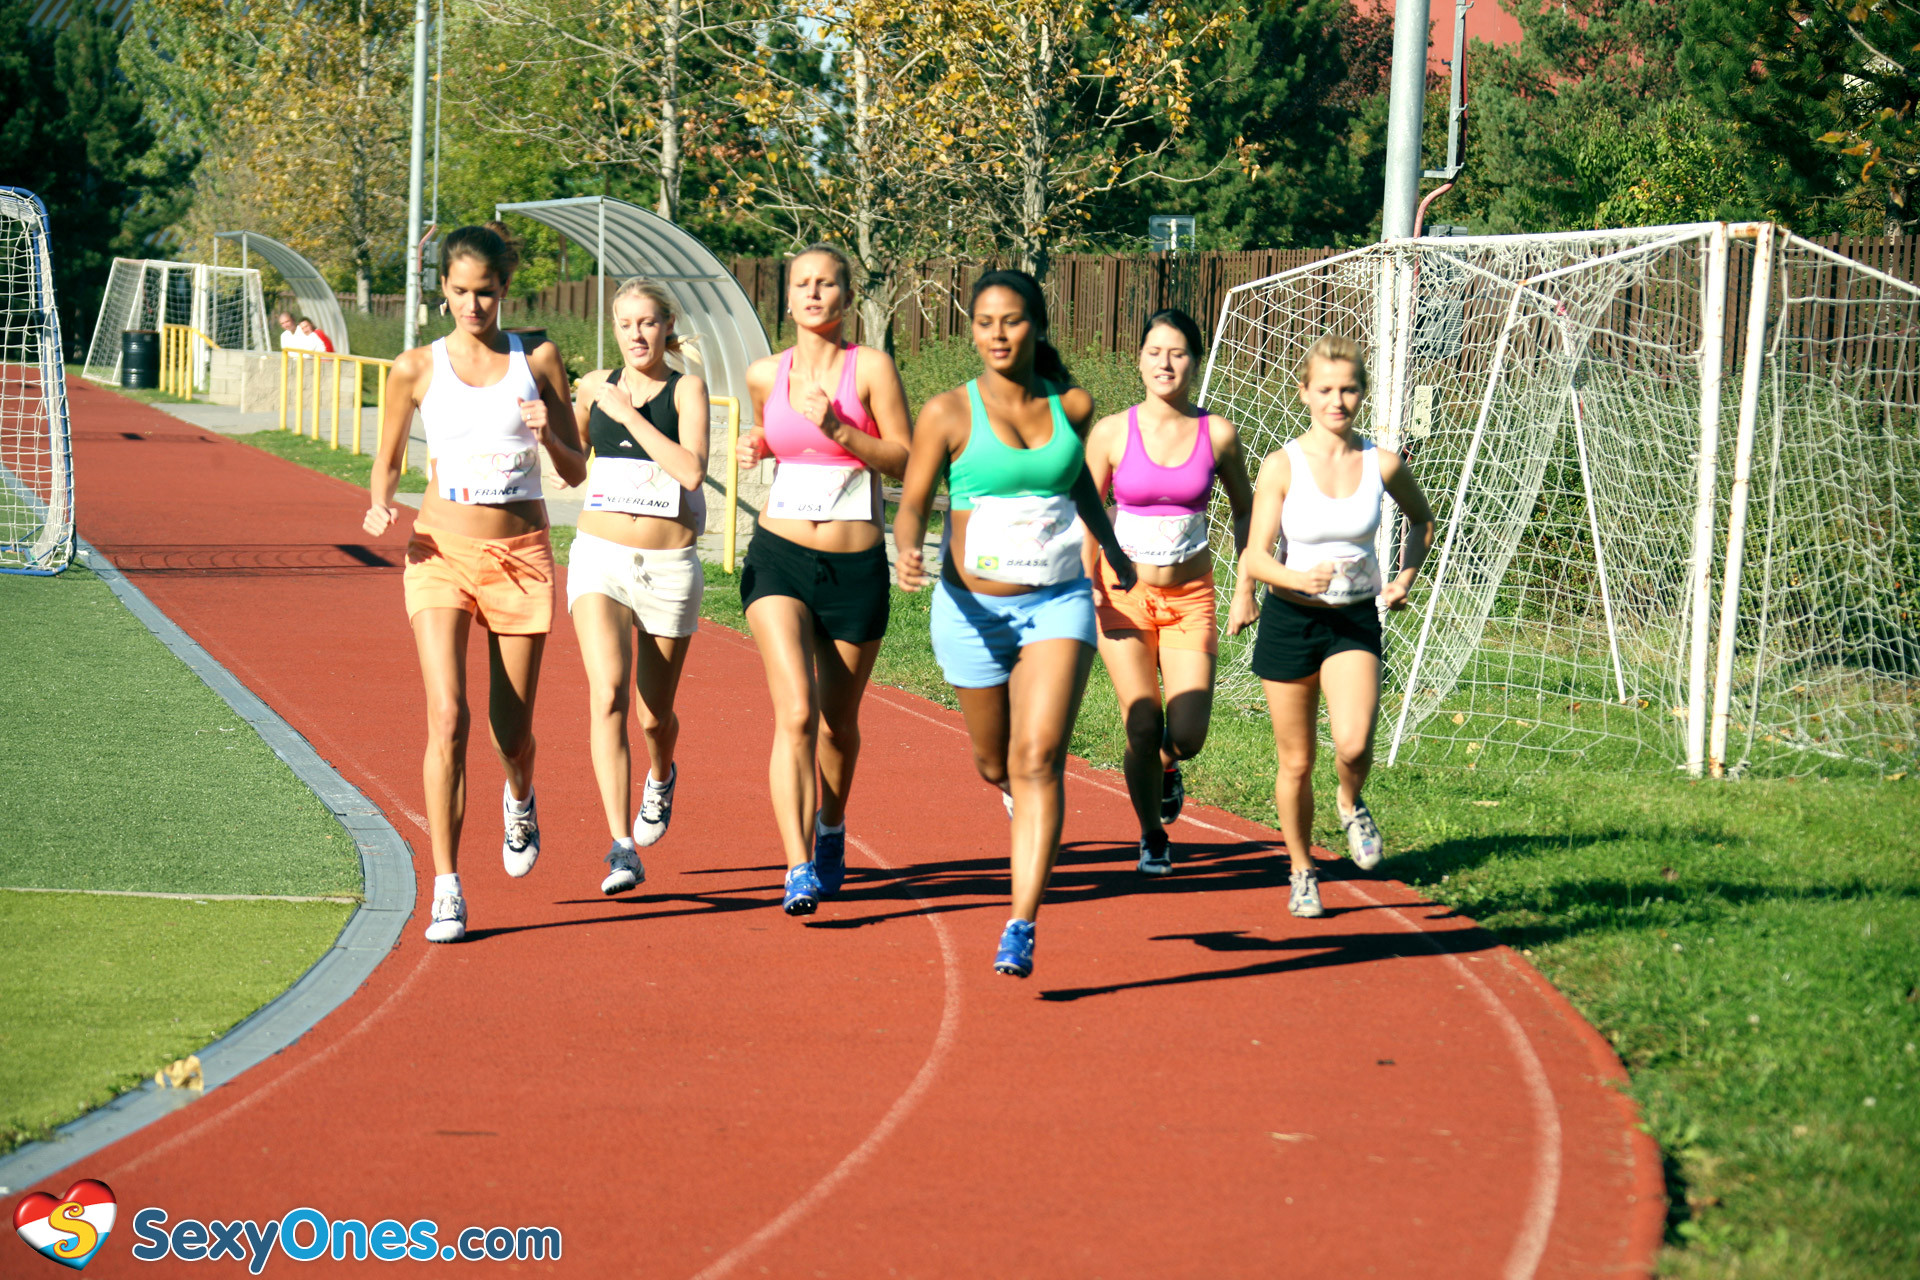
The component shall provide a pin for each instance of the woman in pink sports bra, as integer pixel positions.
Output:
(816, 584)
(1161, 458)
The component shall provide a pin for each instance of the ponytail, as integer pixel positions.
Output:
(1047, 363)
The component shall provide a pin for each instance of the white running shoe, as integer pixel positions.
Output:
(521, 848)
(1008, 797)
(1364, 841)
(449, 919)
(624, 871)
(1304, 901)
(656, 810)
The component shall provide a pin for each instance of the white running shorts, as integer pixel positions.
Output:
(663, 588)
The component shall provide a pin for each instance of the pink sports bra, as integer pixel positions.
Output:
(1146, 488)
(791, 437)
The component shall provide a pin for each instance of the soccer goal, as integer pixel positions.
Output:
(36, 461)
(224, 304)
(1672, 533)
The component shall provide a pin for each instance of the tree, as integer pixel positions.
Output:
(1827, 93)
(302, 109)
(76, 133)
(1038, 106)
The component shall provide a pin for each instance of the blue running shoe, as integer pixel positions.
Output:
(830, 860)
(803, 891)
(1015, 956)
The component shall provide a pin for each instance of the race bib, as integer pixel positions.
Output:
(804, 492)
(1355, 578)
(1034, 542)
(488, 478)
(632, 486)
(1161, 539)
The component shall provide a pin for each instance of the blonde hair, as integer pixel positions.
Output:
(653, 290)
(1332, 346)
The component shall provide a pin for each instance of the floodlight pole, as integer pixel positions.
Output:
(1406, 116)
(416, 177)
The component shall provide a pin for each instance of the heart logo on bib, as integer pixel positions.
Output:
(69, 1230)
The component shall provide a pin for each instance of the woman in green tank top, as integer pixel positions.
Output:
(1013, 624)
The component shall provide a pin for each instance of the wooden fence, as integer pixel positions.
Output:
(1098, 301)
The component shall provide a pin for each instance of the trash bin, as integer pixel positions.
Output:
(140, 359)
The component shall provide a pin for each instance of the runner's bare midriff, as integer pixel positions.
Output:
(642, 533)
(476, 520)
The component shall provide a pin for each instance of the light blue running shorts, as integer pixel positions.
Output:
(977, 638)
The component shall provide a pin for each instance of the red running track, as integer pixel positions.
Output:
(688, 1083)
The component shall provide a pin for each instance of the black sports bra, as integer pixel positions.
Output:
(611, 440)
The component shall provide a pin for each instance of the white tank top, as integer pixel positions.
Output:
(479, 451)
(1320, 530)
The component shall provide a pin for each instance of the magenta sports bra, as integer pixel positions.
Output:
(1146, 488)
(791, 437)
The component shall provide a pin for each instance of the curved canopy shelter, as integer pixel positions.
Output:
(317, 299)
(629, 241)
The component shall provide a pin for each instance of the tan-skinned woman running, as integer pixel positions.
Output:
(1320, 626)
(1162, 458)
(635, 565)
(480, 550)
(815, 584)
(1013, 625)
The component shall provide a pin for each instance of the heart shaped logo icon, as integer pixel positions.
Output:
(69, 1230)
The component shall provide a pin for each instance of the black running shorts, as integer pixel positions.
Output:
(1295, 639)
(849, 593)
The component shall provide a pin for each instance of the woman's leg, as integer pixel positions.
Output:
(1352, 683)
(1044, 698)
(1188, 675)
(843, 673)
(514, 669)
(659, 662)
(1291, 705)
(986, 713)
(440, 636)
(604, 627)
(1130, 661)
(783, 629)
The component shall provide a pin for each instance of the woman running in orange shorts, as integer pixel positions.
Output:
(1162, 457)
(480, 550)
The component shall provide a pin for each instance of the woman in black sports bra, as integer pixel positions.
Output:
(635, 566)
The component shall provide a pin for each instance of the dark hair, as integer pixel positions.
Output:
(1046, 360)
(492, 244)
(1175, 318)
(839, 257)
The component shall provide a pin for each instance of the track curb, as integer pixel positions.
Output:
(386, 868)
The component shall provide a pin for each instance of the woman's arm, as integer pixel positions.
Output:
(1077, 404)
(886, 400)
(1397, 476)
(1100, 466)
(405, 385)
(551, 417)
(686, 467)
(933, 438)
(1257, 563)
(1231, 466)
(752, 446)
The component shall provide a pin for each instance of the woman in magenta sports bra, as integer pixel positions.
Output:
(1162, 457)
(816, 585)
(480, 551)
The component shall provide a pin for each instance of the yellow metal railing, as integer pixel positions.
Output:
(728, 538)
(180, 358)
(294, 392)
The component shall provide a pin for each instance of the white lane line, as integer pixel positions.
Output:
(902, 1106)
(1536, 1223)
(183, 897)
(189, 1134)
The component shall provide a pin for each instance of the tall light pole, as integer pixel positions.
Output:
(416, 175)
(1406, 117)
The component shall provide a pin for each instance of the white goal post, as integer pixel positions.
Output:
(224, 304)
(1669, 535)
(36, 457)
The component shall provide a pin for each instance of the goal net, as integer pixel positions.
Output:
(36, 476)
(1574, 407)
(224, 304)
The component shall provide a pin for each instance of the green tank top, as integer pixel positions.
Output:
(990, 468)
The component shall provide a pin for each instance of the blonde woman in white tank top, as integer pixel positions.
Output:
(1320, 496)
(480, 550)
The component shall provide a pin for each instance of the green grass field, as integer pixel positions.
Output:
(124, 772)
(1752, 950)
(318, 455)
